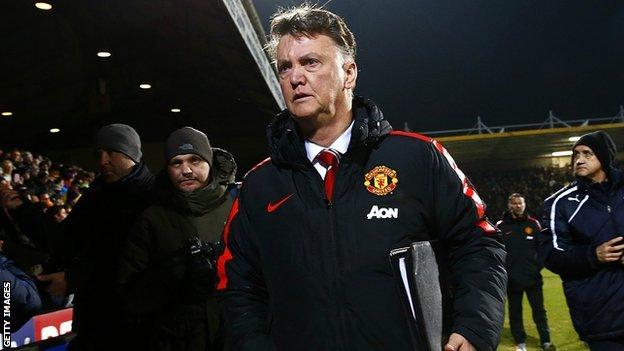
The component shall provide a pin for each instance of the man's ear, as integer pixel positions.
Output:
(350, 74)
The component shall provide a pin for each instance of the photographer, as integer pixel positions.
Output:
(167, 276)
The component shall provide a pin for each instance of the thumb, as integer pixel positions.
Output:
(453, 343)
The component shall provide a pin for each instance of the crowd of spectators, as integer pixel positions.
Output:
(36, 195)
(535, 184)
(52, 186)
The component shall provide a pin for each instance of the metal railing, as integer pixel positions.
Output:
(551, 122)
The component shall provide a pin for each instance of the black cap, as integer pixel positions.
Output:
(602, 145)
(121, 138)
(188, 140)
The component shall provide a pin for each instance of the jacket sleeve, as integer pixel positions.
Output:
(557, 249)
(24, 295)
(241, 290)
(144, 285)
(476, 254)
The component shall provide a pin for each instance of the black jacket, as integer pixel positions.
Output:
(28, 236)
(96, 229)
(25, 300)
(299, 274)
(154, 280)
(519, 237)
(577, 219)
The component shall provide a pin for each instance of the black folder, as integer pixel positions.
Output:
(417, 280)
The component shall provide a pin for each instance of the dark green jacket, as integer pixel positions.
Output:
(152, 276)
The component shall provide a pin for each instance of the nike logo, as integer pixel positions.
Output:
(272, 207)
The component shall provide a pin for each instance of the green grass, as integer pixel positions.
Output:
(562, 332)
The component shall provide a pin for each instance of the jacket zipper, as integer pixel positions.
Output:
(336, 285)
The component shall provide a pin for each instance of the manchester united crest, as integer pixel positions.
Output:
(381, 180)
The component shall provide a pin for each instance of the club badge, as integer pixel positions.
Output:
(528, 231)
(381, 180)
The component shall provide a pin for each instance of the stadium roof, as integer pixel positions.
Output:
(513, 149)
(201, 57)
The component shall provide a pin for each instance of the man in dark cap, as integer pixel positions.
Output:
(167, 275)
(582, 242)
(95, 231)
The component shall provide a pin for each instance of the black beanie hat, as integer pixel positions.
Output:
(121, 138)
(602, 145)
(188, 140)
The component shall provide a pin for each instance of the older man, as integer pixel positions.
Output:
(582, 242)
(306, 261)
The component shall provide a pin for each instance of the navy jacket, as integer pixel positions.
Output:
(576, 220)
(25, 300)
(300, 273)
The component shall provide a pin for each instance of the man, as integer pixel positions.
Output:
(306, 265)
(96, 229)
(523, 271)
(582, 242)
(162, 280)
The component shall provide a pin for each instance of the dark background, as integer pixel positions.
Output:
(438, 64)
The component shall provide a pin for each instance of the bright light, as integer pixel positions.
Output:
(574, 139)
(562, 153)
(145, 86)
(43, 6)
(54, 130)
(7, 113)
(175, 110)
(104, 54)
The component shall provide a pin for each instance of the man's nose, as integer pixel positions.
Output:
(297, 76)
(103, 158)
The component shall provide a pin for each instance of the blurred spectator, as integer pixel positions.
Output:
(57, 213)
(25, 300)
(23, 230)
(7, 170)
(537, 183)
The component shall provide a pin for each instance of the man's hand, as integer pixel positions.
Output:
(58, 284)
(10, 199)
(609, 251)
(457, 342)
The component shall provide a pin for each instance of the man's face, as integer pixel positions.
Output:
(586, 164)
(16, 156)
(313, 75)
(60, 215)
(28, 157)
(516, 206)
(7, 167)
(113, 165)
(188, 172)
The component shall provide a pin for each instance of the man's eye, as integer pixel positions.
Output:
(312, 62)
